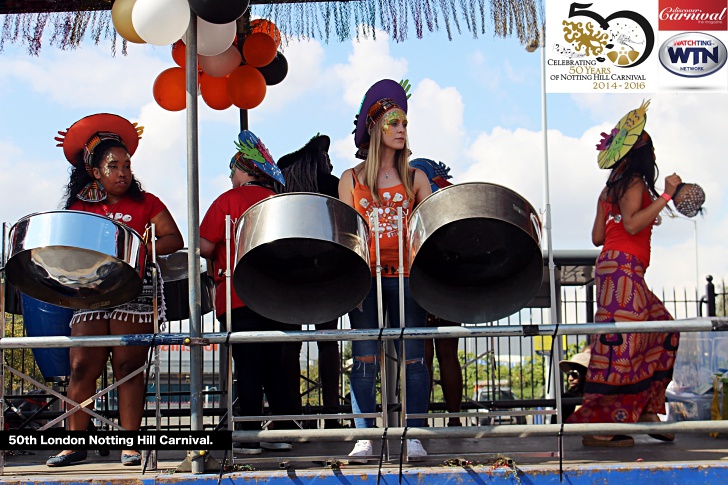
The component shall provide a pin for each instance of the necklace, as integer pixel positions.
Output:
(386, 174)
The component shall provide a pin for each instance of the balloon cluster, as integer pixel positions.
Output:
(227, 74)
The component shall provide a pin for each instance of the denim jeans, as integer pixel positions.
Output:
(364, 374)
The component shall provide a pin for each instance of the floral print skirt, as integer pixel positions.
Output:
(628, 373)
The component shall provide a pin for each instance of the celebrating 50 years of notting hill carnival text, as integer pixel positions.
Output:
(115, 440)
(622, 46)
(602, 77)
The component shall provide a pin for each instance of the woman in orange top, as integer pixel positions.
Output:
(383, 183)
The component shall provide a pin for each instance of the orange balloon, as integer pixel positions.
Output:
(179, 52)
(259, 49)
(246, 87)
(214, 92)
(267, 27)
(169, 89)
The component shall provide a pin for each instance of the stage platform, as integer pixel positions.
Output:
(690, 459)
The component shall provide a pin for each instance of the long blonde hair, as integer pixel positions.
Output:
(370, 170)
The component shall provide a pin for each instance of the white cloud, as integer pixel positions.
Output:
(369, 62)
(117, 82)
(436, 128)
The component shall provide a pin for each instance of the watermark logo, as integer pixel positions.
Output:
(623, 39)
(693, 15)
(692, 54)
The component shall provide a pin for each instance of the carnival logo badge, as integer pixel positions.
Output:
(692, 54)
(623, 39)
(693, 15)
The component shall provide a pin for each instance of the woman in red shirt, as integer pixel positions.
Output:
(100, 148)
(628, 373)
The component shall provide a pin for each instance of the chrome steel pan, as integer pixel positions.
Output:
(177, 286)
(301, 258)
(76, 259)
(475, 252)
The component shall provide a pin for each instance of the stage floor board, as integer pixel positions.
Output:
(481, 461)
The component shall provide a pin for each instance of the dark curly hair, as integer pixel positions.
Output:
(79, 177)
(639, 162)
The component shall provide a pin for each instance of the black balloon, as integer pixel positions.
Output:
(276, 71)
(219, 11)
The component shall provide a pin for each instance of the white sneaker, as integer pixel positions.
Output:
(415, 451)
(362, 451)
(276, 446)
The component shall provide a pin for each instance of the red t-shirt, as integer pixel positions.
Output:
(617, 239)
(234, 203)
(136, 214)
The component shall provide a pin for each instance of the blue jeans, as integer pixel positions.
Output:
(364, 374)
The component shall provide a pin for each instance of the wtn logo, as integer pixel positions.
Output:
(692, 54)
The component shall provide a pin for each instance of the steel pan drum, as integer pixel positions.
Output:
(177, 286)
(475, 253)
(302, 258)
(76, 259)
(45, 320)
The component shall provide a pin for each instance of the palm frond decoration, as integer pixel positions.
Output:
(24, 22)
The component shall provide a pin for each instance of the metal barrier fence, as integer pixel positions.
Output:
(487, 358)
(508, 367)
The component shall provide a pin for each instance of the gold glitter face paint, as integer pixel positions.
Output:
(392, 118)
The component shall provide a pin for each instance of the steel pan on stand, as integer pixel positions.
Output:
(76, 259)
(301, 258)
(475, 252)
(173, 268)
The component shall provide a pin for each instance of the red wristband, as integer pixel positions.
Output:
(666, 196)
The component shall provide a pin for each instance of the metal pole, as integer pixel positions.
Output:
(380, 324)
(228, 323)
(193, 238)
(150, 463)
(557, 351)
(2, 336)
(697, 267)
(703, 324)
(402, 356)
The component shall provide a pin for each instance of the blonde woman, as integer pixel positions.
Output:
(383, 183)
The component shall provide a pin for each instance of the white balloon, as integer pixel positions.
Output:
(160, 22)
(214, 39)
(222, 64)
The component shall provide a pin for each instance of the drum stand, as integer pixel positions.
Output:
(384, 368)
(151, 461)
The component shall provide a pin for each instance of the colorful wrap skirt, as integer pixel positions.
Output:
(628, 373)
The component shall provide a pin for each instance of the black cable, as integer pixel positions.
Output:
(227, 339)
(381, 454)
(553, 342)
(222, 467)
(561, 452)
(401, 452)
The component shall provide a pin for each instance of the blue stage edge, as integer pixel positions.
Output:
(670, 473)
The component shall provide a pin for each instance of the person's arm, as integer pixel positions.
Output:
(600, 221)
(422, 186)
(207, 248)
(346, 185)
(169, 239)
(634, 217)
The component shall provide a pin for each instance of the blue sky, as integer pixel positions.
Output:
(476, 105)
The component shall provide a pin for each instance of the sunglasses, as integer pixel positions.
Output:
(573, 373)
